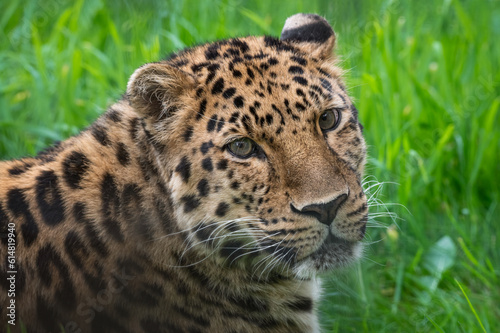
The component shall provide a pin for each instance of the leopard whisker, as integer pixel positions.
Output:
(243, 233)
(214, 235)
(206, 257)
(250, 245)
(274, 256)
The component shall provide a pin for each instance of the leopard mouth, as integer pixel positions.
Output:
(332, 242)
(333, 253)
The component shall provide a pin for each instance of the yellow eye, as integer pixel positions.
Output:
(241, 148)
(329, 119)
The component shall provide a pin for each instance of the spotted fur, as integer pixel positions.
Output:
(148, 222)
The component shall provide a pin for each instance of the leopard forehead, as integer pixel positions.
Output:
(257, 87)
(255, 66)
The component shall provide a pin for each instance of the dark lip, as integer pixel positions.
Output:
(333, 242)
(334, 252)
(332, 239)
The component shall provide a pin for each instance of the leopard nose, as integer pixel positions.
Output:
(324, 212)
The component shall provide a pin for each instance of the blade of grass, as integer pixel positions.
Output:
(471, 306)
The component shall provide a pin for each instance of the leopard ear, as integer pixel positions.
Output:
(156, 89)
(311, 32)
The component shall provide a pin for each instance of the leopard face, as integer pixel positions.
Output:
(264, 149)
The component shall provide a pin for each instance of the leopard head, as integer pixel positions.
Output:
(262, 152)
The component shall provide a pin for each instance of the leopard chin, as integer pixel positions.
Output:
(334, 253)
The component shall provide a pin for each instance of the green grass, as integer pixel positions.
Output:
(425, 77)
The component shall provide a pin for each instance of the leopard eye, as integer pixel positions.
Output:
(241, 148)
(329, 119)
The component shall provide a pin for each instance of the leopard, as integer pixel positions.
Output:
(213, 196)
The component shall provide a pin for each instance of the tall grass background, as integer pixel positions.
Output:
(424, 75)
